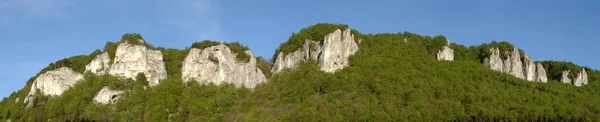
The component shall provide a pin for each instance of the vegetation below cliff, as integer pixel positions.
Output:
(388, 80)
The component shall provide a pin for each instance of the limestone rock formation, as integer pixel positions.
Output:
(100, 65)
(446, 54)
(565, 77)
(218, 64)
(541, 74)
(336, 49)
(131, 59)
(54, 82)
(107, 96)
(512, 65)
(581, 78)
(494, 62)
(332, 55)
(530, 69)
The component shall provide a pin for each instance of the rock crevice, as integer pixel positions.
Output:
(107, 96)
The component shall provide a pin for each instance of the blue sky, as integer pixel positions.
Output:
(34, 33)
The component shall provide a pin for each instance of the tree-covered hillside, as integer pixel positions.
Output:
(388, 80)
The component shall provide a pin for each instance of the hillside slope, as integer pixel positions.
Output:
(392, 77)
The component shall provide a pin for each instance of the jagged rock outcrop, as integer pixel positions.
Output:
(581, 78)
(54, 82)
(100, 65)
(218, 64)
(332, 55)
(530, 69)
(290, 60)
(541, 74)
(565, 77)
(107, 96)
(512, 65)
(336, 49)
(131, 59)
(494, 62)
(446, 54)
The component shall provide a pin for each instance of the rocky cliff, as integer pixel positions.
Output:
(565, 77)
(332, 55)
(131, 59)
(107, 96)
(99, 65)
(218, 64)
(54, 82)
(514, 66)
(581, 79)
(446, 54)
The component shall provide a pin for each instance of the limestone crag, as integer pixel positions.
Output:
(131, 59)
(530, 69)
(218, 64)
(107, 96)
(336, 49)
(446, 54)
(100, 65)
(54, 82)
(581, 78)
(565, 77)
(541, 74)
(512, 65)
(332, 55)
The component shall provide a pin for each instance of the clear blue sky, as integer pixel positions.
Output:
(34, 33)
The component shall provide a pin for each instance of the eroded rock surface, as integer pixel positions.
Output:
(514, 66)
(131, 59)
(54, 82)
(218, 64)
(446, 54)
(565, 77)
(541, 74)
(494, 61)
(581, 78)
(100, 65)
(107, 96)
(332, 55)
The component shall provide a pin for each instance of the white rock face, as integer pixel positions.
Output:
(100, 65)
(530, 69)
(107, 96)
(336, 49)
(217, 64)
(581, 78)
(132, 59)
(512, 65)
(446, 54)
(494, 62)
(54, 82)
(332, 55)
(541, 74)
(565, 77)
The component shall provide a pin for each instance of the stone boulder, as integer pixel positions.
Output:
(530, 69)
(54, 82)
(331, 56)
(581, 78)
(107, 96)
(100, 65)
(218, 64)
(446, 54)
(131, 59)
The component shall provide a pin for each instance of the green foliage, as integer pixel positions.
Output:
(141, 79)
(554, 69)
(264, 66)
(132, 38)
(388, 80)
(235, 47)
(111, 49)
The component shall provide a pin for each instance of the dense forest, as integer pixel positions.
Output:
(389, 79)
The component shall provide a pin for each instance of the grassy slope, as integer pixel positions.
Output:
(388, 80)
